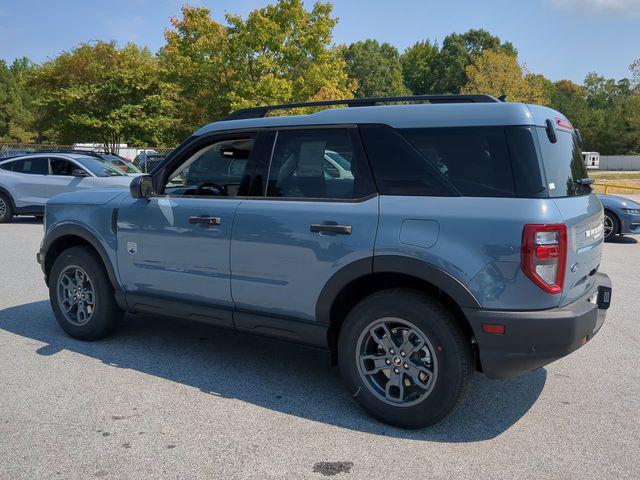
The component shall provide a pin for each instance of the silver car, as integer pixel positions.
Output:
(28, 181)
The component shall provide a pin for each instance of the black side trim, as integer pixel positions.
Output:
(176, 308)
(297, 331)
(430, 273)
(78, 231)
(29, 210)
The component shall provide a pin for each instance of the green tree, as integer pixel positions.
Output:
(376, 68)
(499, 73)
(280, 53)
(102, 93)
(16, 117)
(449, 72)
(417, 67)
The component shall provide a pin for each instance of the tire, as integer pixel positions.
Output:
(6, 209)
(611, 225)
(450, 367)
(101, 317)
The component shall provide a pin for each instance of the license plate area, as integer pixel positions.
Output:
(604, 297)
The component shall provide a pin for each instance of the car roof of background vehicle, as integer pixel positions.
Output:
(405, 116)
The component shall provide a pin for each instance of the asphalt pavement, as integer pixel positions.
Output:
(165, 399)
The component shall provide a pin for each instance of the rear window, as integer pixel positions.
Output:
(475, 159)
(563, 165)
(34, 166)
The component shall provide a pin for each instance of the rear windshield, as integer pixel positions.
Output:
(563, 165)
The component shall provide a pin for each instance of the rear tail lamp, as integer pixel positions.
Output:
(544, 255)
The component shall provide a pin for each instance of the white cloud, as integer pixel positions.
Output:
(599, 5)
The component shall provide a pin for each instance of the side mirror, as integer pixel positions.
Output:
(78, 172)
(141, 186)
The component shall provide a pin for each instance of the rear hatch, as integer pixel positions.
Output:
(581, 209)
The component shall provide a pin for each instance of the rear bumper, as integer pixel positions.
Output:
(533, 339)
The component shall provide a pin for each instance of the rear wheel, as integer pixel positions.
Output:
(6, 209)
(82, 296)
(611, 225)
(404, 358)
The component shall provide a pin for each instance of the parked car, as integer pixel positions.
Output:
(147, 160)
(114, 159)
(27, 181)
(465, 239)
(621, 216)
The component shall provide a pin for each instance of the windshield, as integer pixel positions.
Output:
(121, 164)
(100, 168)
(563, 165)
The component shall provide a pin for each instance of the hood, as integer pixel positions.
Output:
(87, 197)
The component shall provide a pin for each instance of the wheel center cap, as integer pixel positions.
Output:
(397, 361)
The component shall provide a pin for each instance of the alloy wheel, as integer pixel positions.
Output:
(396, 361)
(3, 207)
(608, 227)
(76, 295)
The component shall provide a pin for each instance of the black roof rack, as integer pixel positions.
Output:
(259, 112)
(91, 153)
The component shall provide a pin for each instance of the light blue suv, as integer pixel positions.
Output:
(464, 238)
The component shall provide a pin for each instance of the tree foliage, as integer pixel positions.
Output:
(418, 62)
(281, 53)
(16, 118)
(498, 73)
(376, 67)
(102, 93)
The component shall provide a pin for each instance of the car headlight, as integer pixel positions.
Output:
(632, 211)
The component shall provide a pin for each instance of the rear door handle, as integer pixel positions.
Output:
(335, 229)
(205, 220)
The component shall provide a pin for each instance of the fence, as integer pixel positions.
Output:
(146, 158)
(620, 162)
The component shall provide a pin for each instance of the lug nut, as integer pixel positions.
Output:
(388, 362)
(395, 370)
(403, 354)
(406, 365)
(392, 351)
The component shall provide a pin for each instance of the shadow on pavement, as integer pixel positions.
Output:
(271, 374)
(623, 239)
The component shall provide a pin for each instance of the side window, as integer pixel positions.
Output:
(33, 166)
(319, 163)
(62, 167)
(222, 168)
(475, 159)
(7, 166)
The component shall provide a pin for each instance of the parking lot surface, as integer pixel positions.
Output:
(164, 399)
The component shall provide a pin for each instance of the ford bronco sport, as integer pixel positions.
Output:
(464, 238)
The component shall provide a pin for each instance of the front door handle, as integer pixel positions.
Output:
(205, 220)
(335, 229)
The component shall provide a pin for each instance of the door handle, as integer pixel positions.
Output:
(205, 220)
(335, 229)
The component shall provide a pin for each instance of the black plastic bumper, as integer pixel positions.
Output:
(533, 339)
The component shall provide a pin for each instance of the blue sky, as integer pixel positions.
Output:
(558, 38)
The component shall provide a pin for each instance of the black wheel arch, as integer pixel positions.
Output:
(70, 235)
(363, 277)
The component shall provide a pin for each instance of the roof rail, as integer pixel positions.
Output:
(91, 153)
(259, 112)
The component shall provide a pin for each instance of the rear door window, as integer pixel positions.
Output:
(563, 164)
(32, 166)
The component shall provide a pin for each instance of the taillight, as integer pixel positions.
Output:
(544, 255)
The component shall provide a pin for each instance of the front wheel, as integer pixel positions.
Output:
(82, 296)
(404, 358)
